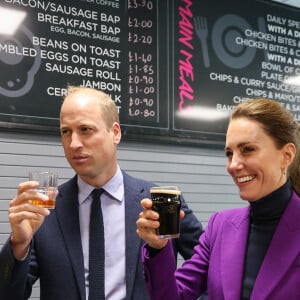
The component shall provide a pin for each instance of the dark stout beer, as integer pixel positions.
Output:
(167, 202)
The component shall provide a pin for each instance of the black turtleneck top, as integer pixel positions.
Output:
(265, 214)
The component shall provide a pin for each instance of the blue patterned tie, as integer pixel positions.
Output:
(96, 249)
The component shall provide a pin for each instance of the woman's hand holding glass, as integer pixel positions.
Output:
(147, 224)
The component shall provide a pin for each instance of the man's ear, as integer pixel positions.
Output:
(116, 128)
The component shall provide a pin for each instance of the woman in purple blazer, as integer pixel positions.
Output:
(245, 253)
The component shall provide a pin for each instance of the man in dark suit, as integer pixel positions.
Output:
(54, 246)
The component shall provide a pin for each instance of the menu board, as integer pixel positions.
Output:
(226, 52)
(175, 68)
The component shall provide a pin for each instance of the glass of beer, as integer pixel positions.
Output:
(166, 200)
(47, 185)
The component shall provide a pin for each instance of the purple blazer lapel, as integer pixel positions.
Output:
(284, 248)
(235, 232)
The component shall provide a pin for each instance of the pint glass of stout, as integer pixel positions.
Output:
(166, 201)
(47, 185)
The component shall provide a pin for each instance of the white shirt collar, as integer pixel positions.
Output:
(114, 187)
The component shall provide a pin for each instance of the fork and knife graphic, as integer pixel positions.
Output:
(201, 30)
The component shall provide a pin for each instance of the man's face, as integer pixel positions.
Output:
(90, 147)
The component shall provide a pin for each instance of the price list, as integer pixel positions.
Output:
(142, 61)
(175, 68)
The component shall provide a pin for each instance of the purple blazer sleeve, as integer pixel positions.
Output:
(165, 282)
(218, 261)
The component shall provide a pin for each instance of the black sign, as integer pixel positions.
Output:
(175, 69)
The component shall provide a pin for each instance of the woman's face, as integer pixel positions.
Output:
(255, 164)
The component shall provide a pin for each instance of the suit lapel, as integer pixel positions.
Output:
(134, 193)
(68, 219)
(233, 247)
(284, 248)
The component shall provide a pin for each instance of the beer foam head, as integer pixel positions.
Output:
(164, 190)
